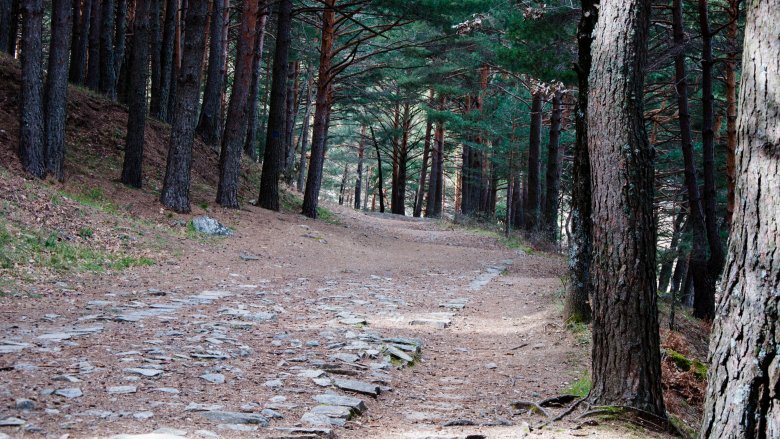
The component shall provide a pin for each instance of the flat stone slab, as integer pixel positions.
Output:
(333, 411)
(149, 373)
(73, 392)
(357, 386)
(12, 422)
(355, 404)
(10, 347)
(316, 419)
(434, 323)
(397, 353)
(353, 321)
(235, 418)
(214, 378)
(326, 433)
(119, 390)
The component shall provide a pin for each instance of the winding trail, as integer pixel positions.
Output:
(241, 337)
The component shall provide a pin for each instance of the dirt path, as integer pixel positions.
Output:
(238, 333)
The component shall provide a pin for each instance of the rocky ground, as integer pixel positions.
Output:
(375, 327)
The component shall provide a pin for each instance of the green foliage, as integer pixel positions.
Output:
(582, 386)
(684, 363)
(95, 197)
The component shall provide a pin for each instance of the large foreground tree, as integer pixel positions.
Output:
(744, 383)
(626, 355)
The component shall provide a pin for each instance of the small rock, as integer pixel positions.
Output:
(210, 226)
(357, 386)
(25, 404)
(357, 405)
(149, 373)
(119, 390)
(235, 418)
(143, 415)
(12, 422)
(73, 392)
(397, 353)
(215, 378)
(270, 413)
(459, 423)
(491, 365)
(310, 418)
(273, 383)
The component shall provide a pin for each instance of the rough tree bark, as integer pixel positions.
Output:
(175, 193)
(56, 93)
(235, 122)
(93, 67)
(253, 119)
(577, 304)
(744, 383)
(322, 108)
(132, 170)
(210, 119)
(626, 353)
(275, 145)
(731, 106)
(293, 70)
(553, 171)
(107, 73)
(31, 125)
(156, 11)
(533, 207)
(13, 27)
(704, 287)
(400, 155)
(5, 24)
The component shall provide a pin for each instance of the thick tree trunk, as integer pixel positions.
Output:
(400, 153)
(533, 207)
(78, 48)
(235, 122)
(175, 193)
(275, 145)
(13, 27)
(132, 170)
(5, 24)
(93, 68)
(253, 104)
(553, 171)
(159, 101)
(704, 288)
(57, 87)
(210, 120)
(120, 43)
(744, 383)
(107, 73)
(322, 108)
(31, 122)
(300, 184)
(580, 287)
(359, 179)
(716, 257)
(433, 207)
(626, 353)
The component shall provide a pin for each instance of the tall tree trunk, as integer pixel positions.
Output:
(31, 124)
(175, 193)
(5, 24)
(78, 47)
(717, 257)
(533, 207)
(156, 52)
(359, 179)
(704, 288)
(132, 170)
(626, 353)
(304, 136)
(177, 49)
(13, 27)
(159, 101)
(235, 122)
(553, 171)
(743, 382)
(253, 120)
(93, 68)
(580, 287)
(322, 108)
(398, 194)
(343, 186)
(210, 119)
(380, 180)
(293, 71)
(120, 43)
(665, 274)
(433, 206)
(731, 106)
(107, 73)
(679, 274)
(424, 168)
(275, 145)
(56, 101)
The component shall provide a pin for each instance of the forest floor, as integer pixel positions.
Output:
(117, 317)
